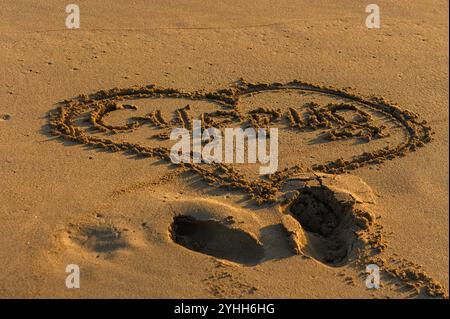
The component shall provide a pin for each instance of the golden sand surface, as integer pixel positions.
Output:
(86, 177)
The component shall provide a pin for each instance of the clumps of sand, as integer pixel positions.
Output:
(220, 118)
(157, 119)
(401, 273)
(263, 117)
(360, 126)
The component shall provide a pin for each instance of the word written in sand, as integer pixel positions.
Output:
(82, 119)
(211, 152)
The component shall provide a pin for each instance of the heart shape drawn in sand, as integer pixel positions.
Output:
(311, 118)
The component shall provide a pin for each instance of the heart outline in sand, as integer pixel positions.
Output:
(62, 122)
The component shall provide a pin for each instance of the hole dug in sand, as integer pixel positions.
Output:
(216, 238)
(333, 224)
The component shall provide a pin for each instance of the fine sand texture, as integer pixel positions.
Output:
(85, 170)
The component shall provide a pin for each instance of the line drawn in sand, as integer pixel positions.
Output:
(324, 228)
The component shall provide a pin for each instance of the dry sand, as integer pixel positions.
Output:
(84, 177)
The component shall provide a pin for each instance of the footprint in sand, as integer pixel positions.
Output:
(213, 228)
(326, 217)
(216, 238)
(101, 239)
(329, 217)
(316, 216)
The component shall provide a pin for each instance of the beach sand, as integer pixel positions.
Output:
(78, 185)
